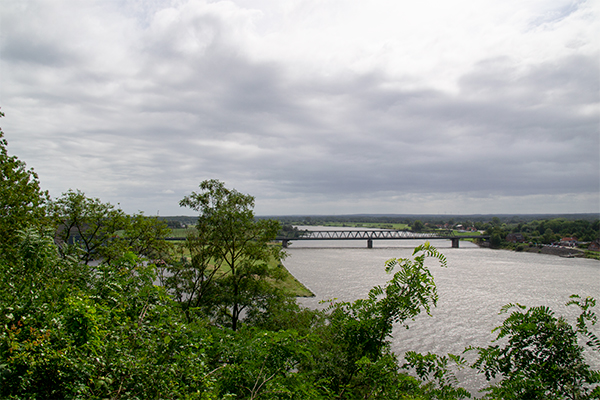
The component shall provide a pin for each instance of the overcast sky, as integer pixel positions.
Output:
(311, 106)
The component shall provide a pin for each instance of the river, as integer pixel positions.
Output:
(472, 289)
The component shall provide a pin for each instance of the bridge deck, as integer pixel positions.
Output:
(375, 234)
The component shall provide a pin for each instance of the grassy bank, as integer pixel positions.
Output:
(288, 283)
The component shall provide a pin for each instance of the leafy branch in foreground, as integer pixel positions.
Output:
(541, 358)
(586, 316)
(434, 370)
(357, 333)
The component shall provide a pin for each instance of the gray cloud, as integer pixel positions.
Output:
(141, 106)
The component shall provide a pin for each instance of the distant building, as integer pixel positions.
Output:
(515, 238)
(568, 241)
(595, 245)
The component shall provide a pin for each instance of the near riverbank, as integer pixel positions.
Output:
(293, 286)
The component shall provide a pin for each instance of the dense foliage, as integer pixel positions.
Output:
(22, 201)
(94, 304)
(542, 359)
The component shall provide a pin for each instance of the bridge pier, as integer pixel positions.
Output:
(369, 243)
(284, 243)
(455, 243)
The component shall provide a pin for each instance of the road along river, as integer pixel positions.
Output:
(476, 284)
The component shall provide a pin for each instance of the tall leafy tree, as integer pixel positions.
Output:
(89, 229)
(86, 227)
(22, 201)
(418, 226)
(233, 250)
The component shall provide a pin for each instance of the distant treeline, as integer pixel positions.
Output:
(545, 231)
(180, 221)
(436, 219)
(403, 218)
(536, 227)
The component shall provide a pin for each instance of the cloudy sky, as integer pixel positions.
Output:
(311, 106)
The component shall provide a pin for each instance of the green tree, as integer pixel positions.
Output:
(417, 226)
(549, 236)
(109, 334)
(440, 380)
(497, 236)
(145, 236)
(257, 364)
(237, 246)
(87, 228)
(541, 357)
(22, 201)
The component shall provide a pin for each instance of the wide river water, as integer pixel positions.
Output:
(472, 289)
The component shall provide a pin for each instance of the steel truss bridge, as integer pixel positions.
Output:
(370, 235)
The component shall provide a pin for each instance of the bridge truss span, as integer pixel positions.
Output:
(370, 235)
(364, 234)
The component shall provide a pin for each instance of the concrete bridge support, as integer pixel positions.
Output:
(369, 243)
(284, 243)
(455, 243)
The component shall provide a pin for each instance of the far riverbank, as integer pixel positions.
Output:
(556, 251)
(566, 252)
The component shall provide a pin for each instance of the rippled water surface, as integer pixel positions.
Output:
(472, 289)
